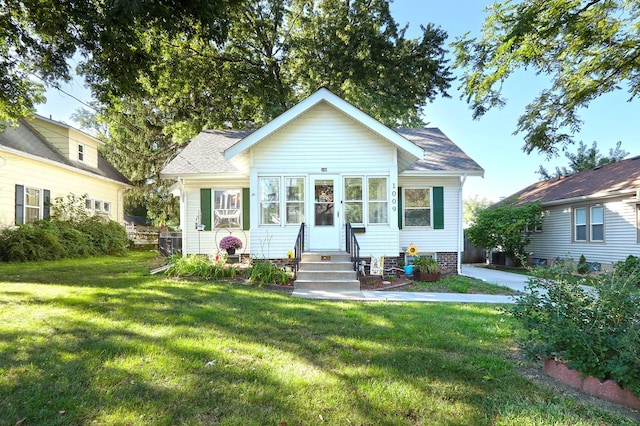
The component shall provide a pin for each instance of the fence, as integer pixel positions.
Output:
(170, 244)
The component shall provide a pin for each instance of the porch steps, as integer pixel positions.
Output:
(326, 271)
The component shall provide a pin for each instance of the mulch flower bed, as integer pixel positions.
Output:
(379, 283)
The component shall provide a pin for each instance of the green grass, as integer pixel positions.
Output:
(458, 284)
(100, 341)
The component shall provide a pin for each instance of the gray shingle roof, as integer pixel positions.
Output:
(441, 154)
(205, 153)
(25, 139)
(601, 181)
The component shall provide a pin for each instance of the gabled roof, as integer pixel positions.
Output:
(441, 155)
(205, 154)
(324, 95)
(23, 139)
(619, 178)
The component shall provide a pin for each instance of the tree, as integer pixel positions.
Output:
(276, 53)
(585, 159)
(472, 207)
(587, 48)
(506, 227)
(40, 37)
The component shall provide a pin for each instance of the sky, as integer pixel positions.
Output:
(490, 140)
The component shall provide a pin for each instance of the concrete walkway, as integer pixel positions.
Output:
(514, 281)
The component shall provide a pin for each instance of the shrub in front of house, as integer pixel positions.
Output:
(595, 331)
(56, 239)
(265, 272)
(628, 269)
(201, 267)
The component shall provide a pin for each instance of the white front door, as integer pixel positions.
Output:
(325, 223)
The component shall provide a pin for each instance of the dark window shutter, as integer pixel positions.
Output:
(400, 212)
(19, 204)
(205, 208)
(246, 202)
(438, 207)
(46, 212)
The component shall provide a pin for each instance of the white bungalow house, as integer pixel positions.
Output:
(319, 166)
(595, 213)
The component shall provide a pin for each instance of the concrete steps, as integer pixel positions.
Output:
(331, 271)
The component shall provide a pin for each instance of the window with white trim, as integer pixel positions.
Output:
(269, 200)
(378, 202)
(32, 205)
(417, 206)
(81, 152)
(353, 201)
(597, 223)
(294, 201)
(227, 208)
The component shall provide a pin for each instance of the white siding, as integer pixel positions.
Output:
(324, 138)
(620, 232)
(207, 241)
(427, 239)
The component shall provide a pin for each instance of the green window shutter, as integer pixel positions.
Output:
(438, 207)
(246, 202)
(19, 204)
(205, 208)
(46, 213)
(400, 212)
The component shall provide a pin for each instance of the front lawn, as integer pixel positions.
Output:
(100, 341)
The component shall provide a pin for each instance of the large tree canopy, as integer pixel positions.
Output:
(587, 48)
(38, 39)
(276, 53)
(585, 159)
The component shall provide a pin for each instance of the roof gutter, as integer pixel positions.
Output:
(599, 195)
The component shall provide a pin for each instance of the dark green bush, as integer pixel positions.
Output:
(56, 239)
(582, 267)
(594, 330)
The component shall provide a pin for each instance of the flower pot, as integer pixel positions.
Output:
(231, 251)
(408, 269)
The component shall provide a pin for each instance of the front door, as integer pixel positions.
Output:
(324, 229)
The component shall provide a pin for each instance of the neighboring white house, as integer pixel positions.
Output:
(595, 213)
(323, 163)
(42, 159)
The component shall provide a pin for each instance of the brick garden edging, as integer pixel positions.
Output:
(607, 389)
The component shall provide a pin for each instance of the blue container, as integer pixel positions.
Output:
(408, 269)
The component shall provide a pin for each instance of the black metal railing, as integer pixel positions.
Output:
(298, 249)
(353, 248)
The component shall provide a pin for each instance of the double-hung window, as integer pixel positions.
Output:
(269, 200)
(378, 201)
(353, 201)
(227, 208)
(417, 207)
(32, 205)
(81, 153)
(294, 201)
(588, 223)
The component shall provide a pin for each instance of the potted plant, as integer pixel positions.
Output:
(427, 269)
(230, 244)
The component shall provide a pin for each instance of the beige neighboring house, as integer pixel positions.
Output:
(42, 159)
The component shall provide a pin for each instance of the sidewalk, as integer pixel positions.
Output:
(511, 280)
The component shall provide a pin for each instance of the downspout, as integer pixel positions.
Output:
(183, 215)
(460, 227)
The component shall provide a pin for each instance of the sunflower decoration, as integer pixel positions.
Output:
(412, 250)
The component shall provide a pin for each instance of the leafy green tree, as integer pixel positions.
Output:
(276, 53)
(38, 39)
(587, 48)
(585, 159)
(472, 207)
(506, 227)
